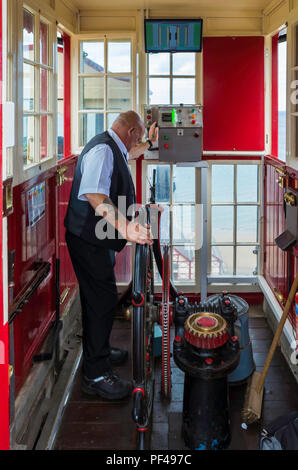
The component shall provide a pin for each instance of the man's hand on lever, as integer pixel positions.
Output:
(138, 233)
(135, 152)
(131, 231)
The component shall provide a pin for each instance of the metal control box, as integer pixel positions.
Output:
(180, 132)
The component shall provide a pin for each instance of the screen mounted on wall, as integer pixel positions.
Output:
(173, 35)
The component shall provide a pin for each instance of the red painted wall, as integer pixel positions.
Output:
(276, 261)
(67, 276)
(4, 359)
(32, 244)
(233, 87)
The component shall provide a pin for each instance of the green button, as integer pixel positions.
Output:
(193, 110)
(166, 137)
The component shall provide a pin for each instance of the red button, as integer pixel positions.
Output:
(166, 146)
(148, 117)
(206, 322)
(178, 338)
(193, 122)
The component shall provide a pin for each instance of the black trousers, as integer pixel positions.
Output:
(94, 269)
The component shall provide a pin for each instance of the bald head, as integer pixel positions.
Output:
(128, 119)
(129, 127)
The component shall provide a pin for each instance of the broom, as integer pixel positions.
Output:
(255, 388)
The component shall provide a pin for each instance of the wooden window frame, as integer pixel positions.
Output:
(112, 37)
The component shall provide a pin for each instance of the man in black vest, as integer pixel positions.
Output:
(95, 228)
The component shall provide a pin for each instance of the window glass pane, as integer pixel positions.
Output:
(119, 57)
(296, 41)
(28, 90)
(247, 183)
(159, 91)
(44, 136)
(28, 139)
(159, 64)
(222, 260)
(119, 93)
(184, 90)
(111, 118)
(44, 85)
(282, 98)
(92, 57)
(162, 182)
(60, 116)
(222, 183)
(184, 64)
(157, 278)
(222, 224)
(28, 35)
(90, 125)
(184, 184)
(183, 264)
(247, 223)
(246, 261)
(44, 43)
(165, 225)
(92, 93)
(183, 224)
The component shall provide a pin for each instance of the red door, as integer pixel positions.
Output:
(4, 361)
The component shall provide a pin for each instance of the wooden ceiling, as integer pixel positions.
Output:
(238, 5)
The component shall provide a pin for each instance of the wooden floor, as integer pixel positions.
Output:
(92, 423)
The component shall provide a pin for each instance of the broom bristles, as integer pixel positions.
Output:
(253, 400)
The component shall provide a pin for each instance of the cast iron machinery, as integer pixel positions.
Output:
(206, 348)
(206, 353)
(143, 335)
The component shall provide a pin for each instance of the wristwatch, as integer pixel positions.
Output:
(150, 144)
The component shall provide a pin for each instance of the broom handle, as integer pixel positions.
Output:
(277, 335)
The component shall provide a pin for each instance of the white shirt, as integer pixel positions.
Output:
(97, 168)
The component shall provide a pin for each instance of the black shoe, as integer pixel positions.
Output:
(109, 386)
(118, 356)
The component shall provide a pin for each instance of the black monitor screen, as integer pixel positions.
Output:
(173, 35)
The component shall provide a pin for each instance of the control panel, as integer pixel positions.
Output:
(180, 132)
(174, 116)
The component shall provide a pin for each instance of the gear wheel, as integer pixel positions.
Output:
(206, 330)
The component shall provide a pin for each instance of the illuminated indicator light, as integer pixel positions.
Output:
(178, 338)
(209, 360)
(193, 116)
(166, 137)
(193, 110)
(173, 116)
(166, 146)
